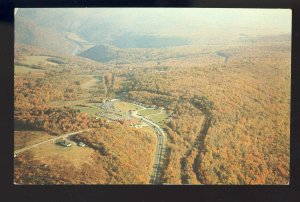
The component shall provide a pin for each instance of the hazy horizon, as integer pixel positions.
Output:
(191, 19)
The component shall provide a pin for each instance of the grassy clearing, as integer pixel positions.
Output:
(147, 112)
(35, 60)
(75, 155)
(152, 114)
(90, 83)
(157, 118)
(19, 69)
(62, 103)
(89, 108)
(51, 63)
(26, 138)
(125, 106)
(82, 105)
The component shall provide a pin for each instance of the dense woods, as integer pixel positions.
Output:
(247, 102)
(228, 113)
(52, 120)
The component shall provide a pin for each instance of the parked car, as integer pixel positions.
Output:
(81, 144)
(65, 143)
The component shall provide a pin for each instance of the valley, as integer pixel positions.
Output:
(112, 104)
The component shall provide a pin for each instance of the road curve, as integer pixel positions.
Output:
(161, 140)
(50, 140)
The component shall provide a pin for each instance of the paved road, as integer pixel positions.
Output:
(50, 140)
(161, 139)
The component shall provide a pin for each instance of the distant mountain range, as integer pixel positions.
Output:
(85, 31)
(51, 29)
(28, 32)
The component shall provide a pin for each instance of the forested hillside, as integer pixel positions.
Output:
(244, 105)
(99, 99)
(47, 103)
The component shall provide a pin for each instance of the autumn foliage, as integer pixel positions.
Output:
(228, 108)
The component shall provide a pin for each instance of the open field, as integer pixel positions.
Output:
(157, 118)
(82, 105)
(147, 112)
(69, 103)
(55, 150)
(155, 115)
(89, 108)
(35, 60)
(55, 164)
(125, 106)
(19, 69)
(90, 83)
(26, 138)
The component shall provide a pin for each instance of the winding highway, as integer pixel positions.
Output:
(161, 143)
(161, 139)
